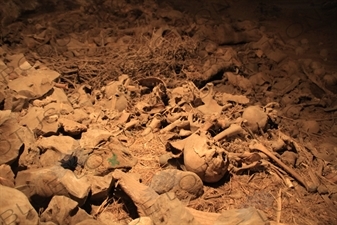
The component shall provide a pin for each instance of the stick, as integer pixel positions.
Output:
(292, 172)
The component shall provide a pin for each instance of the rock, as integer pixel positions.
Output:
(333, 197)
(117, 93)
(15, 208)
(167, 209)
(63, 144)
(276, 55)
(79, 115)
(47, 223)
(100, 187)
(91, 222)
(93, 137)
(40, 121)
(14, 102)
(3, 67)
(142, 221)
(71, 127)
(118, 102)
(278, 144)
(19, 63)
(330, 80)
(114, 87)
(311, 126)
(36, 84)
(322, 189)
(60, 96)
(109, 218)
(50, 158)
(43, 183)
(289, 158)
(4, 116)
(2, 94)
(77, 187)
(112, 156)
(58, 109)
(6, 176)
(31, 153)
(11, 140)
(185, 185)
(82, 98)
(63, 210)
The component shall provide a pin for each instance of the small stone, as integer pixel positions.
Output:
(289, 158)
(6, 176)
(35, 120)
(17, 207)
(12, 136)
(322, 189)
(99, 187)
(330, 79)
(63, 144)
(71, 127)
(278, 145)
(69, 211)
(79, 115)
(43, 183)
(92, 137)
(50, 158)
(311, 126)
(93, 222)
(36, 84)
(259, 53)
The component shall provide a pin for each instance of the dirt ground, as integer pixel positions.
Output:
(97, 42)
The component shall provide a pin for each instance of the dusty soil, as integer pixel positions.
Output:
(110, 40)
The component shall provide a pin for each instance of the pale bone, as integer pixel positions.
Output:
(210, 105)
(258, 146)
(194, 122)
(174, 113)
(237, 170)
(179, 145)
(132, 123)
(181, 123)
(154, 124)
(184, 133)
(233, 129)
(144, 197)
(203, 157)
(187, 92)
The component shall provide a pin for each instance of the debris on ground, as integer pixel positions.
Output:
(146, 112)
